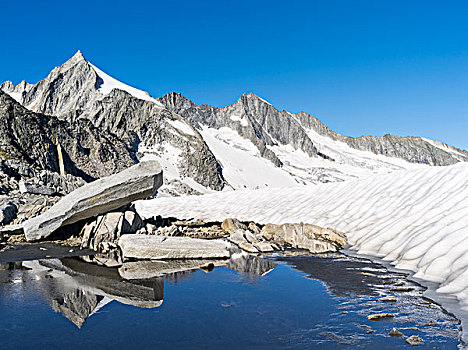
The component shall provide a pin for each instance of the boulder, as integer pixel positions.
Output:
(232, 225)
(137, 182)
(103, 233)
(305, 236)
(161, 247)
(26, 187)
(8, 211)
(414, 340)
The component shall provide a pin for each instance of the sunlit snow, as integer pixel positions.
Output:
(110, 83)
(416, 219)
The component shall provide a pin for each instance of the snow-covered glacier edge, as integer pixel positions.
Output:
(416, 220)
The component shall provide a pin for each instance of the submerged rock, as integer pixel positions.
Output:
(377, 317)
(103, 195)
(395, 333)
(139, 246)
(414, 340)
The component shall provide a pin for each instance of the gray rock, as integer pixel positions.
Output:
(71, 93)
(26, 187)
(248, 247)
(101, 196)
(103, 233)
(264, 126)
(414, 340)
(160, 247)
(8, 211)
(305, 236)
(237, 237)
(132, 222)
(233, 225)
(48, 143)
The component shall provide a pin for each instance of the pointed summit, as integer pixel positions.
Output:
(252, 96)
(78, 56)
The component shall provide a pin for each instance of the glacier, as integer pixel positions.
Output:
(417, 219)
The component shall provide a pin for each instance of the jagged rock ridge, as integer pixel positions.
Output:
(249, 144)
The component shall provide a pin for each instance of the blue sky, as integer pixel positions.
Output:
(362, 67)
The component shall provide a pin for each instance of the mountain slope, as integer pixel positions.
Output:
(77, 90)
(45, 142)
(298, 145)
(249, 144)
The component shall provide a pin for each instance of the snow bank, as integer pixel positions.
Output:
(417, 220)
(110, 83)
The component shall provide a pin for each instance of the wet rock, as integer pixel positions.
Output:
(101, 196)
(414, 340)
(388, 299)
(160, 247)
(395, 333)
(376, 317)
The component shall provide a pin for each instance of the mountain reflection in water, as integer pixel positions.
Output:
(78, 289)
(281, 302)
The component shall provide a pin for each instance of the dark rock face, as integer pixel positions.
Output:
(8, 211)
(48, 143)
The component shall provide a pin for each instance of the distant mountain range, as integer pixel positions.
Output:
(100, 125)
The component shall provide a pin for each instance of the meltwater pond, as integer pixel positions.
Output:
(283, 302)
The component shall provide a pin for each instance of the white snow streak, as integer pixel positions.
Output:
(110, 83)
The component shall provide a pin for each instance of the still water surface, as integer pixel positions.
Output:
(301, 302)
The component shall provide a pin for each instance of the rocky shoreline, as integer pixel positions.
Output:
(100, 216)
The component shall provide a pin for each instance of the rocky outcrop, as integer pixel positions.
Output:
(305, 236)
(72, 92)
(252, 239)
(45, 142)
(160, 247)
(100, 196)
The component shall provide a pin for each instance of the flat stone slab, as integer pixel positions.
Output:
(139, 246)
(109, 193)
